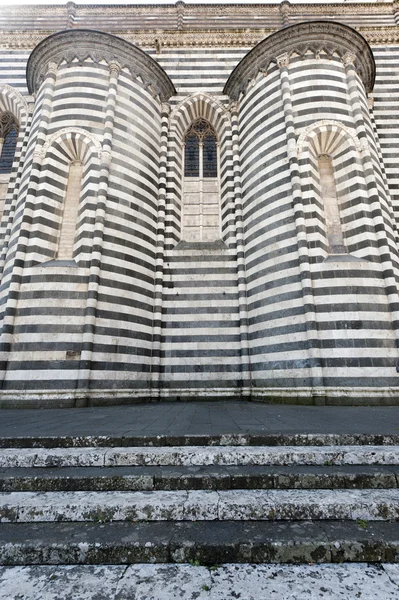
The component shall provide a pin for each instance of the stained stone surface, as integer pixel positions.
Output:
(189, 582)
(199, 455)
(200, 505)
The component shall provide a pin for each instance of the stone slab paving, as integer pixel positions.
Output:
(199, 418)
(187, 582)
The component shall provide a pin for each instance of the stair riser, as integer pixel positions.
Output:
(305, 552)
(149, 483)
(234, 505)
(196, 456)
(200, 440)
(202, 542)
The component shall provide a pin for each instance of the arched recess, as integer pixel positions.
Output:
(66, 199)
(333, 187)
(14, 105)
(12, 101)
(199, 106)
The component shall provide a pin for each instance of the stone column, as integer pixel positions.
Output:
(300, 225)
(159, 257)
(23, 240)
(240, 245)
(384, 248)
(98, 236)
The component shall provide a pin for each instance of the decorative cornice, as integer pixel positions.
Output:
(199, 38)
(83, 44)
(318, 37)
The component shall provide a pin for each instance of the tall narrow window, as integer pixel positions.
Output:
(331, 207)
(70, 211)
(8, 140)
(201, 184)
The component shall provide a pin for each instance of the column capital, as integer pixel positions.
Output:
(165, 108)
(114, 68)
(233, 107)
(283, 60)
(52, 68)
(349, 59)
(370, 102)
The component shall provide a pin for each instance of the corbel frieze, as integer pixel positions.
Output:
(81, 45)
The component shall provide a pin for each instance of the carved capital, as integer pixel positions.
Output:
(106, 158)
(370, 102)
(31, 107)
(283, 60)
(349, 58)
(114, 68)
(52, 68)
(233, 107)
(165, 108)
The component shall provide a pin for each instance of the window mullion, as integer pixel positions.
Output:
(201, 198)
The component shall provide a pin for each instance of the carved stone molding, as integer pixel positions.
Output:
(317, 36)
(84, 44)
(198, 38)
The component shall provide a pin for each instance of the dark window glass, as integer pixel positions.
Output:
(8, 151)
(8, 133)
(191, 155)
(200, 141)
(209, 156)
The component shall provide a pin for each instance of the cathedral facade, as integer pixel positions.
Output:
(199, 201)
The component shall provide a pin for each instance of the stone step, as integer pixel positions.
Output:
(198, 543)
(237, 439)
(204, 505)
(199, 455)
(192, 582)
(199, 477)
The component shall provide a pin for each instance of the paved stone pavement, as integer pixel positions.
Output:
(199, 418)
(188, 582)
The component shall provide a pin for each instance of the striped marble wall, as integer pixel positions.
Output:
(273, 310)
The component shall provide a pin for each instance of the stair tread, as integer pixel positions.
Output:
(198, 455)
(370, 504)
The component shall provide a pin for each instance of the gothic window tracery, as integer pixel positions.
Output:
(201, 183)
(8, 140)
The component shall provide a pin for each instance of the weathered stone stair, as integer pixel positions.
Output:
(199, 499)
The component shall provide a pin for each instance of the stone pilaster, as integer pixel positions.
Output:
(239, 233)
(159, 258)
(98, 236)
(300, 225)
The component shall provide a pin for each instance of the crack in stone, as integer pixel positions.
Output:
(218, 504)
(395, 583)
(122, 575)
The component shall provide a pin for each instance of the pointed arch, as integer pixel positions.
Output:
(200, 104)
(182, 199)
(71, 161)
(333, 184)
(12, 101)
